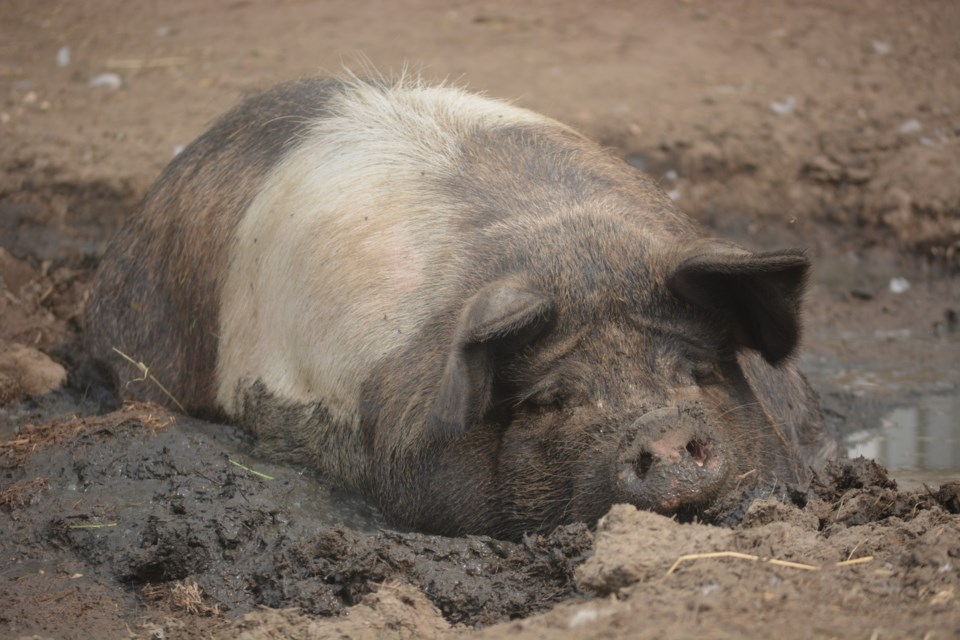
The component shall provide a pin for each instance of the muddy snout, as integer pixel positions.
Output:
(670, 461)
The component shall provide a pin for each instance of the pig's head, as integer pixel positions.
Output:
(618, 385)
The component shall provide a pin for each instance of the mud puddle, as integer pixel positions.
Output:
(909, 418)
(889, 372)
(918, 442)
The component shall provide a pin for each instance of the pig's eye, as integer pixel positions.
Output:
(706, 373)
(547, 400)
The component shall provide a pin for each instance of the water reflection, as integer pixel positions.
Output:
(924, 436)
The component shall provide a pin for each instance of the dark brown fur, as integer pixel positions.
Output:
(606, 272)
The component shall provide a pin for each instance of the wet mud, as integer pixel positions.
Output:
(144, 502)
(151, 520)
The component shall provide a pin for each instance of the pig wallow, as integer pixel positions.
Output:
(462, 309)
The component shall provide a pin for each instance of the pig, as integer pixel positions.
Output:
(462, 309)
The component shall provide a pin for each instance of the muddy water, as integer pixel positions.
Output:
(917, 439)
(892, 386)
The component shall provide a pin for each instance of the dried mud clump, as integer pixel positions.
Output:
(26, 372)
(22, 494)
(393, 610)
(860, 491)
(948, 495)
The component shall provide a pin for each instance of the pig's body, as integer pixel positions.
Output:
(463, 309)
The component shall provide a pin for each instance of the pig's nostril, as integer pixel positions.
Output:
(644, 462)
(699, 451)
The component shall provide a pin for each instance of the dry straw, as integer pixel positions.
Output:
(753, 558)
(249, 470)
(148, 376)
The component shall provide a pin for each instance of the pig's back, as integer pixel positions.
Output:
(156, 295)
(351, 244)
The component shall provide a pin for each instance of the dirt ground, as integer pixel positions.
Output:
(829, 125)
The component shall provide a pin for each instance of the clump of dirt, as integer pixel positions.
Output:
(948, 495)
(867, 576)
(635, 546)
(22, 494)
(857, 492)
(392, 610)
(26, 372)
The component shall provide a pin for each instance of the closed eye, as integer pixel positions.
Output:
(550, 399)
(706, 374)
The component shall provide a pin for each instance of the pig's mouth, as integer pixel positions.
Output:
(671, 464)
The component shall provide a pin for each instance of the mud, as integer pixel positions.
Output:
(149, 503)
(150, 520)
(825, 125)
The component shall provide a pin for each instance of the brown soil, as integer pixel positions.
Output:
(830, 125)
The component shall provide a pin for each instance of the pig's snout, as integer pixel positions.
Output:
(670, 461)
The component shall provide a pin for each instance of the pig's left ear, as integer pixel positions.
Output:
(496, 322)
(760, 292)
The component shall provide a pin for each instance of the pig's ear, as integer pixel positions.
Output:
(759, 292)
(496, 322)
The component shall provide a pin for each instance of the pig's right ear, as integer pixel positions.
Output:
(496, 322)
(759, 293)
